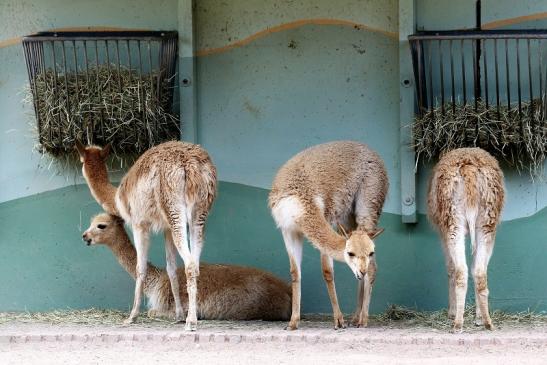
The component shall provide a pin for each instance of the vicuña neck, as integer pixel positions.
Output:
(101, 188)
(322, 236)
(126, 255)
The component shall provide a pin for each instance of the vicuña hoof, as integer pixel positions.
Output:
(457, 328)
(339, 323)
(129, 320)
(292, 326)
(489, 326)
(191, 326)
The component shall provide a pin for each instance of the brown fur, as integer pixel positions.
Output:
(329, 184)
(171, 187)
(466, 195)
(224, 291)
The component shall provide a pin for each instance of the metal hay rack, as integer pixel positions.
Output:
(102, 87)
(484, 88)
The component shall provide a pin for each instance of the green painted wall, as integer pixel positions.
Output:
(272, 79)
(45, 264)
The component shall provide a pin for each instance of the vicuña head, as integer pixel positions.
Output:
(359, 251)
(93, 158)
(104, 229)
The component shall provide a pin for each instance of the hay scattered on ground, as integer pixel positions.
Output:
(91, 316)
(409, 317)
(399, 316)
(100, 107)
(518, 138)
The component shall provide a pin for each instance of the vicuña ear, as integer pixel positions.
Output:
(105, 151)
(80, 148)
(377, 231)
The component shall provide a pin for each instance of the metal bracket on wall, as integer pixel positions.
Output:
(187, 74)
(407, 25)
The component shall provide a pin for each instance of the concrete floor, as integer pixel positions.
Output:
(267, 343)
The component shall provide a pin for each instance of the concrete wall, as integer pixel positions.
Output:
(272, 79)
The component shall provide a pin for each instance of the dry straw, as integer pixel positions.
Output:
(519, 138)
(102, 105)
(396, 316)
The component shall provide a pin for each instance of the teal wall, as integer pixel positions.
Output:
(45, 264)
(272, 79)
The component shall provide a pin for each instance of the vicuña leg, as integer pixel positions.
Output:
(356, 320)
(178, 228)
(483, 252)
(328, 275)
(455, 245)
(196, 224)
(142, 242)
(368, 283)
(171, 267)
(451, 284)
(293, 244)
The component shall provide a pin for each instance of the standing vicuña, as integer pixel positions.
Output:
(224, 291)
(466, 194)
(337, 183)
(171, 187)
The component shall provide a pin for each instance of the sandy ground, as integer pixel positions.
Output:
(267, 343)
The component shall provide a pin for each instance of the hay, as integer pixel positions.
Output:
(105, 317)
(518, 139)
(409, 317)
(102, 106)
(394, 315)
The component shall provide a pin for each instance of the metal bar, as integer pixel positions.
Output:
(76, 78)
(476, 91)
(497, 77)
(453, 89)
(518, 81)
(130, 83)
(151, 73)
(507, 83)
(99, 87)
(88, 86)
(418, 73)
(442, 76)
(530, 78)
(68, 112)
(141, 92)
(109, 77)
(480, 34)
(541, 96)
(118, 64)
(463, 74)
(55, 90)
(32, 85)
(101, 36)
(120, 117)
(485, 65)
(430, 68)
(160, 71)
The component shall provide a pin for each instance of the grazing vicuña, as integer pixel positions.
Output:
(338, 183)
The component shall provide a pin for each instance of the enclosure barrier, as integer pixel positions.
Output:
(102, 87)
(483, 88)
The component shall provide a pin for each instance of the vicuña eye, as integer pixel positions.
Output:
(101, 226)
(371, 254)
(351, 254)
